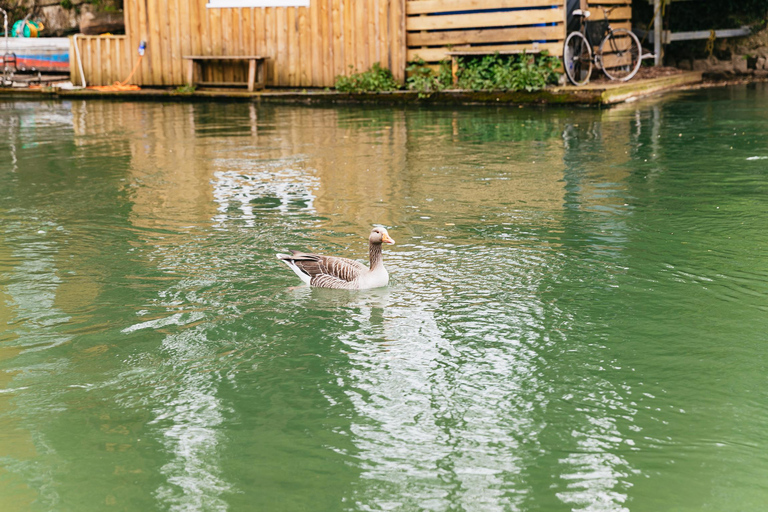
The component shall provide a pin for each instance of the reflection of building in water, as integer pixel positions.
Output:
(355, 167)
(261, 185)
(167, 171)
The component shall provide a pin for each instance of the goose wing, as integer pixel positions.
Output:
(325, 268)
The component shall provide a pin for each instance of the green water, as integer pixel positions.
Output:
(577, 317)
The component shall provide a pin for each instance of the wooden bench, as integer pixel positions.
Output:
(256, 70)
(481, 53)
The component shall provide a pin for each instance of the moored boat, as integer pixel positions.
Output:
(46, 54)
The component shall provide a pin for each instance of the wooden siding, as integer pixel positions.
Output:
(434, 27)
(305, 46)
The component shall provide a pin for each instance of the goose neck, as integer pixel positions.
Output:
(374, 251)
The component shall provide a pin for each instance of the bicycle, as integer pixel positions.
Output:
(619, 53)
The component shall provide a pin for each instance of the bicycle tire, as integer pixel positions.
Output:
(623, 51)
(577, 52)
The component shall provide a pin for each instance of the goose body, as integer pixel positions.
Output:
(342, 273)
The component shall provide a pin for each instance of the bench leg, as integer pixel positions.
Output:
(261, 74)
(455, 69)
(251, 74)
(190, 72)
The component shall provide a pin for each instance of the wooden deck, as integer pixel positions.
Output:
(598, 94)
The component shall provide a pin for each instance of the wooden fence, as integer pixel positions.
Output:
(105, 59)
(305, 46)
(434, 27)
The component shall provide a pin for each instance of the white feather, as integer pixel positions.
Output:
(304, 277)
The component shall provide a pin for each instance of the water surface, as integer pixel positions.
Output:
(577, 317)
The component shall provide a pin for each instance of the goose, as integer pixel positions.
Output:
(342, 273)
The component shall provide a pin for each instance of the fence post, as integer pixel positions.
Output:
(657, 29)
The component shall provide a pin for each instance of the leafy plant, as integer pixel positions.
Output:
(423, 79)
(508, 73)
(533, 74)
(489, 72)
(375, 79)
(185, 89)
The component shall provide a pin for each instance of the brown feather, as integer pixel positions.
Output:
(316, 265)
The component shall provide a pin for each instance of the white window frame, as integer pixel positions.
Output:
(224, 4)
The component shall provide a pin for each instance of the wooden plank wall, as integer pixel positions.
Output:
(433, 27)
(105, 59)
(620, 15)
(306, 46)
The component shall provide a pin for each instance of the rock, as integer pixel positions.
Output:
(684, 64)
(719, 66)
(723, 67)
(739, 63)
(700, 65)
(760, 63)
(94, 23)
(58, 21)
(60, 18)
(761, 73)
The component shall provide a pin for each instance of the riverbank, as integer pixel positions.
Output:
(599, 93)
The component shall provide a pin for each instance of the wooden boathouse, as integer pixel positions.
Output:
(307, 43)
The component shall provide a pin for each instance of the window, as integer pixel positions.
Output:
(214, 4)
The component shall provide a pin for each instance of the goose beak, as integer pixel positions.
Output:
(387, 239)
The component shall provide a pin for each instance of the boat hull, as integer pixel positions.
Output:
(45, 54)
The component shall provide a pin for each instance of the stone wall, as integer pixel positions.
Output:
(60, 17)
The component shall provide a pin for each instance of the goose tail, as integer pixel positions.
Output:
(288, 260)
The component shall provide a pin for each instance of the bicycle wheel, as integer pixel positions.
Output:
(619, 54)
(577, 58)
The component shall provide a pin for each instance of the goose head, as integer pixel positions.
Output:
(379, 236)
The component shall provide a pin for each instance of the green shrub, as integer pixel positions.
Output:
(375, 79)
(489, 72)
(508, 72)
(423, 79)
